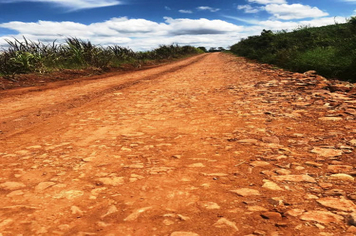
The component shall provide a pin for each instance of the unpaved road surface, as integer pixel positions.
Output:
(211, 145)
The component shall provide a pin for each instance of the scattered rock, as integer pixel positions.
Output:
(209, 205)
(352, 196)
(352, 230)
(168, 222)
(259, 164)
(114, 181)
(310, 73)
(352, 142)
(351, 220)
(44, 185)
(326, 185)
(324, 217)
(271, 216)
(281, 225)
(339, 168)
(196, 165)
(256, 208)
(12, 186)
(70, 194)
(112, 209)
(335, 193)
(343, 177)
(223, 223)
(271, 186)
(295, 212)
(135, 177)
(276, 201)
(338, 204)
(259, 232)
(313, 164)
(248, 141)
(183, 233)
(182, 217)
(76, 211)
(133, 216)
(310, 197)
(244, 192)
(294, 178)
(135, 166)
(15, 193)
(125, 149)
(283, 172)
(326, 152)
(216, 174)
(272, 139)
(331, 118)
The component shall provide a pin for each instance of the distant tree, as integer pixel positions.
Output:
(352, 22)
(219, 49)
(203, 49)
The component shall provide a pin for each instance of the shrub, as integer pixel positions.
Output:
(330, 50)
(27, 56)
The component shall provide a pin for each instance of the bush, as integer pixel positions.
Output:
(330, 50)
(26, 56)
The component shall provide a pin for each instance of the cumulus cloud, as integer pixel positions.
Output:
(265, 2)
(73, 4)
(249, 8)
(294, 11)
(138, 34)
(257, 26)
(206, 8)
(198, 27)
(186, 11)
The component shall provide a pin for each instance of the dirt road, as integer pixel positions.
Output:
(211, 145)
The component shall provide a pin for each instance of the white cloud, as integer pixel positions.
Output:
(294, 11)
(256, 26)
(198, 27)
(206, 8)
(265, 2)
(73, 5)
(249, 8)
(186, 11)
(167, 8)
(138, 34)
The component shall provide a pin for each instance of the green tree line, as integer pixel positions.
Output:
(330, 50)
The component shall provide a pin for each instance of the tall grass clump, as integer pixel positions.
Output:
(330, 50)
(26, 56)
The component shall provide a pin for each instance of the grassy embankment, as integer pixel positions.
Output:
(25, 56)
(330, 50)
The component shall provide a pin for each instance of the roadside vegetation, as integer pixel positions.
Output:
(25, 56)
(330, 50)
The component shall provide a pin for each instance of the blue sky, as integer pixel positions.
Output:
(146, 24)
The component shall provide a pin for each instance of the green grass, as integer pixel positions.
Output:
(25, 56)
(330, 50)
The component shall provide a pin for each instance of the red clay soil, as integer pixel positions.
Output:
(211, 145)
